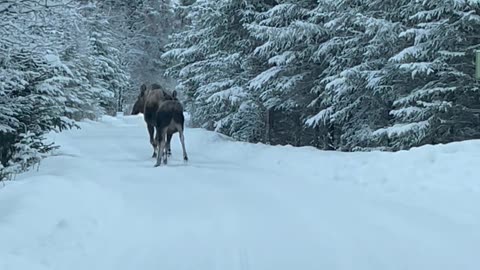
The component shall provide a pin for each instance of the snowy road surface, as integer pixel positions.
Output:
(100, 204)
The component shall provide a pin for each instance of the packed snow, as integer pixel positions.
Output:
(98, 203)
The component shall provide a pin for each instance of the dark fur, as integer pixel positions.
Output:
(169, 119)
(139, 105)
(157, 86)
(168, 111)
(148, 102)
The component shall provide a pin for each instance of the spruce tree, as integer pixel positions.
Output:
(437, 98)
(207, 60)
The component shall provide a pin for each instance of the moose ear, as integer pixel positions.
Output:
(174, 94)
(143, 88)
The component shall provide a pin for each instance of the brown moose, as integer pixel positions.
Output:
(164, 113)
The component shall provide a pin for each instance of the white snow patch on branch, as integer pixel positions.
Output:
(400, 129)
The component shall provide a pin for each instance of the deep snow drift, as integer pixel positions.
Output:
(99, 203)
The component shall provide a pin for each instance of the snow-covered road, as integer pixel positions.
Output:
(100, 204)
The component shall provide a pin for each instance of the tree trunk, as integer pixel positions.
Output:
(269, 126)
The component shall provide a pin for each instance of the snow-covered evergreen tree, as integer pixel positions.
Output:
(144, 26)
(437, 97)
(32, 101)
(107, 75)
(50, 73)
(207, 60)
(346, 75)
(287, 38)
(351, 88)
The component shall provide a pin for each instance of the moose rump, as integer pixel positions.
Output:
(169, 117)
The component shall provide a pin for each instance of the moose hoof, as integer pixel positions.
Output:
(156, 165)
(154, 155)
(185, 158)
(165, 161)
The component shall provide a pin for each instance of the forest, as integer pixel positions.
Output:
(345, 75)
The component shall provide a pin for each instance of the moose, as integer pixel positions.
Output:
(169, 119)
(162, 112)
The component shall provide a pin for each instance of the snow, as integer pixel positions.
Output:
(264, 77)
(418, 68)
(427, 14)
(471, 16)
(233, 94)
(281, 9)
(400, 129)
(264, 49)
(339, 85)
(53, 60)
(6, 129)
(98, 203)
(407, 112)
(374, 78)
(418, 33)
(322, 116)
(282, 59)
(215, 86)
(327, 48)
(409, 51)
(452, 54)
(422, 93)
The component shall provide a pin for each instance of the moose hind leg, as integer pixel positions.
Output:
(182, 141)
(151, 130)
(165, 155)
(169, 139)
(161, 146)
